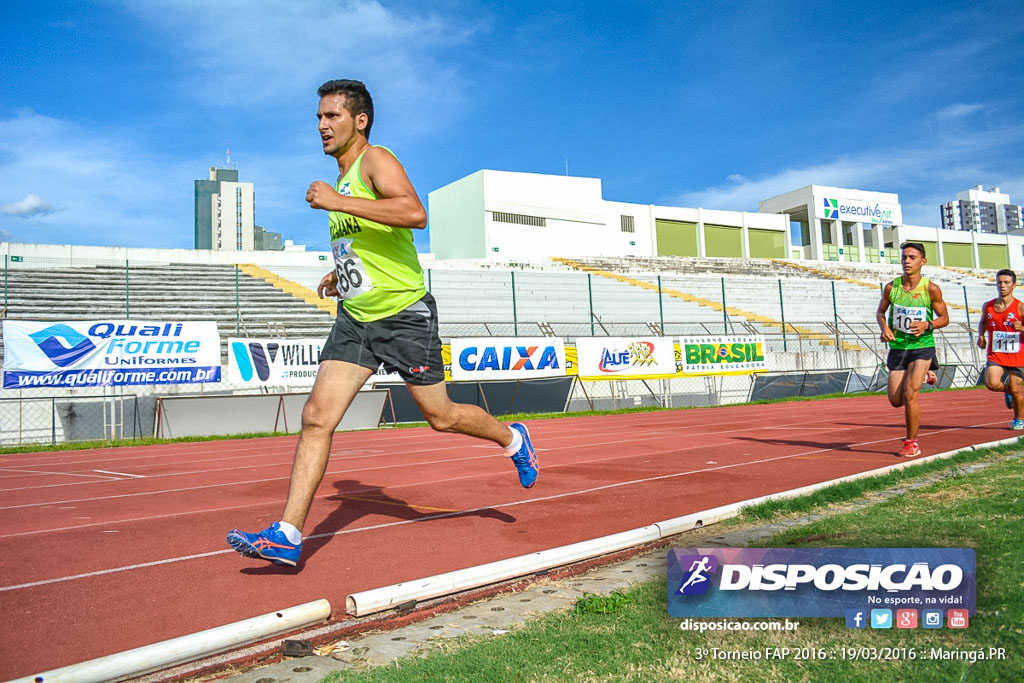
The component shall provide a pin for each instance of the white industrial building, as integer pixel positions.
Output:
(502, 216)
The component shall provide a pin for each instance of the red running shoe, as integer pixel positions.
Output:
(910, 449)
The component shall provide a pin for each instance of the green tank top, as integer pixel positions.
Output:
(378, 271)
(907, 307)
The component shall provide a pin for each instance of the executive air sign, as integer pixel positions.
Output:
(853, 211)
(109, 353)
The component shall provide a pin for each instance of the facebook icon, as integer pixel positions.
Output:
(856, 618)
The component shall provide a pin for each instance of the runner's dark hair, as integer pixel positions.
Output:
(914, 245)
(357, 98)
(1009, 273)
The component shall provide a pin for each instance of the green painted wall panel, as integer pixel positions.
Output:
(993, 256)
(676, 238)
(767, 243)
(721, 240)
(931, 252)
(957, 255)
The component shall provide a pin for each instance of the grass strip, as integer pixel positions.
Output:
(632, 638)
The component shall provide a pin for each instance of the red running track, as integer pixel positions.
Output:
(111, 549)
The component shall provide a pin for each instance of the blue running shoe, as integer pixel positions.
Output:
(270, 544)
(525, 459)
(1017, 425)
(1008, 400)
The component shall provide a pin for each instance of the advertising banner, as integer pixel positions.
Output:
(819, 582)
(109, 353)
(273, 362)
(722, 355)
(625, 357)
(854, 211)
(507, 358)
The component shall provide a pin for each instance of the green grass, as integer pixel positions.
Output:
(632, 638)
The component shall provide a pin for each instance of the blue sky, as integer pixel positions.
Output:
(110, 110)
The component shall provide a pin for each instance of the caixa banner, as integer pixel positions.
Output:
(817, 582)
(507, 358)
(109, 353)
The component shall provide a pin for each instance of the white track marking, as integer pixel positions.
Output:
(122, 474)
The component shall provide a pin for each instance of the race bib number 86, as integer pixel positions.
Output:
(353, 279)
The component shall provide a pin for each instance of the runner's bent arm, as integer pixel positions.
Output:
(398, 204)
(941, 318)
(883, 306)
(982, 341)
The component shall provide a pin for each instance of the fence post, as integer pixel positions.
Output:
(725, 313)
(515, 316)
(661, 308)
(127, 293)
(590, 296)
(238, 310)
(782, 310)
(835, 321)
(7, 267)
(53, 421)
(967, 307)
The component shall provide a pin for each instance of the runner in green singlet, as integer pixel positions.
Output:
(385, 315)
(910, 309)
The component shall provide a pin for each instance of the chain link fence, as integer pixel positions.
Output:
(811, 327)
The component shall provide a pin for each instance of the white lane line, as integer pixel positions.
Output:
(63, 474)
(122, 474)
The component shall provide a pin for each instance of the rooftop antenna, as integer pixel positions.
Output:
(566, 165)
(229, 156)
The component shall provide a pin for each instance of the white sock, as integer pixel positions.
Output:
(517, 442)
(291, 532)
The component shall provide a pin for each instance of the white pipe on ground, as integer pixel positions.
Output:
(378, 599)
(187, 648)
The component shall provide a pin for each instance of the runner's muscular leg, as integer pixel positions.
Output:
(912, 381)
(1018, 398)
(994, 378)
(895, 387)
(336, 385)
(460, 418)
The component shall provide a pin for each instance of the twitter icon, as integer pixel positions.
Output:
(881, 618)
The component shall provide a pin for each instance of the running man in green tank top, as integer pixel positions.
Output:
(385, 315)
(910, 309)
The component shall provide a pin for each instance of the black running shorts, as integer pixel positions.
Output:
(1006, 369)
(407, 342)
(900, 359)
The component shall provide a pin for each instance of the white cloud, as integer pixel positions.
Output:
(924, 175)
(283, 50)
(110, 190)
(957, 111)
(31, 205)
